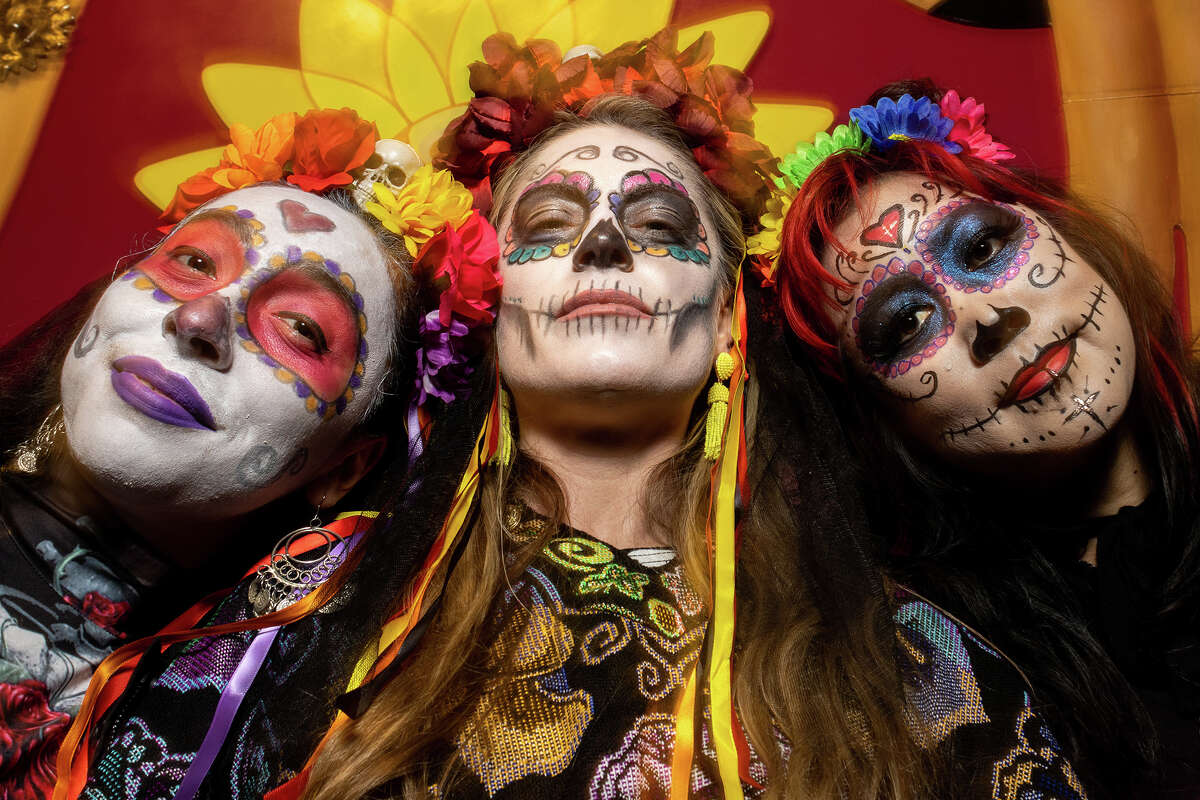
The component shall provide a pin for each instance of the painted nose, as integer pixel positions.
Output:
(603, 248)
(991, 339)
(201, 329)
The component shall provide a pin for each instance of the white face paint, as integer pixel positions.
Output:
(611, 272)
(987, 332)
(222, 371)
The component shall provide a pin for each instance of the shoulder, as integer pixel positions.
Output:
(973, 707)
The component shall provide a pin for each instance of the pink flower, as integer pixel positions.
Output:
(968, 130)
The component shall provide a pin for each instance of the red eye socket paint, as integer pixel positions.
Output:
(305, 325)
(202, 257)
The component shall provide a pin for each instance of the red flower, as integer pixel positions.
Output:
(30, 733)
(329, 144)
(102, 611)
(463, 264)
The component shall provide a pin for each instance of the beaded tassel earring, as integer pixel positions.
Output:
(718, 408)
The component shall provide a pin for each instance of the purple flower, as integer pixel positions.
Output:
(442, 368)
(890, 121)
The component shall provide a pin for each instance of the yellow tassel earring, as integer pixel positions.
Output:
(504, 448)
(718, 408)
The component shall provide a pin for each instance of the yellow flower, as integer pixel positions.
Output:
(429, 201)
(766, 241)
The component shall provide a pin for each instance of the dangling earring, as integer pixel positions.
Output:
(289, 576)
(718, 408)
(31, 455)
(504, 448)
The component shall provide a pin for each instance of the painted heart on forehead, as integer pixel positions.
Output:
(888, 231)
(230, 363)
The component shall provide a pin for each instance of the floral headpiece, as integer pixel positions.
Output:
(519, 89)
(955, 124)
(454, 249)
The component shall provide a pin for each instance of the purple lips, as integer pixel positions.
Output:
(159, 393)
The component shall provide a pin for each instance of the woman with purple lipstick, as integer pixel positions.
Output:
(225, 388)
(1026, 408)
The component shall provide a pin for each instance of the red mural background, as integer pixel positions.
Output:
(130, 94)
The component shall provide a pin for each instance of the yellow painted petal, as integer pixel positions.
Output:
(330, 92)
(523, 19)
(780, 125)
(433, 22)
(345, 38)
(159, 180)
(475, 25)
(559, 28)
(425, 132)
(737, 36)
(252, 94)
(608, 23)
(418, 85)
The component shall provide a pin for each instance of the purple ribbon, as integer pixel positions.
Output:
(231, 699)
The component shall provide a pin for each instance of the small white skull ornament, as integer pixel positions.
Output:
(394, 161)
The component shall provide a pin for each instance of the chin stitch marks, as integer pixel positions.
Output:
(294, 256)
(977, 425)
(932, 223)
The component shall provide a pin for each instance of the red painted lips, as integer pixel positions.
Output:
(601, 302)
(1039, 376)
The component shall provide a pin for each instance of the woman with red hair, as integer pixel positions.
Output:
(1028, 401)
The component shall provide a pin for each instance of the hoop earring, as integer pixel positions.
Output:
(288, 576)
(31, 455)
(718, 408)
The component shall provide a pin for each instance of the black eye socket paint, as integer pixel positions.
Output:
(550, 216)
(659, 218)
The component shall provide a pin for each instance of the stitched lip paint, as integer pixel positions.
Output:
(1035, 378)
(159, 393)
(597, 302)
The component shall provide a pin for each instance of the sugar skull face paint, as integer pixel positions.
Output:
(615, 295)
(984, 330)
(225, 368)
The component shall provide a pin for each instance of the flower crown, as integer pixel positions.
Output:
(519, 89)
(454, 249)
(955, 124)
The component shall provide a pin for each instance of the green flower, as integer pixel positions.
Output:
(798, 165)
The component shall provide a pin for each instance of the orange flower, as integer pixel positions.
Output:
(252, 157)
(330, 143)
(256, 156)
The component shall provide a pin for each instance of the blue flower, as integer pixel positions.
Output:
(890, 121)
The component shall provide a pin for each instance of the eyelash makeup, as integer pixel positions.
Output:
(521, 252)
(890, 297)
(949, 240)
(690, 239)
(294, 256)
(143, 281)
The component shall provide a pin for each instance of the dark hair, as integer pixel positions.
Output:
(1001, 581)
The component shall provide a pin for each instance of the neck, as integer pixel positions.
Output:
(603, 449)
(180, 539)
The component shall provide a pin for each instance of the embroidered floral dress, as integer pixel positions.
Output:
(68, 597)
(599, 645)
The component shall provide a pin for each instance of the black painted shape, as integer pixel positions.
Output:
(991, 339)
(1010, 14)
(603, 248)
